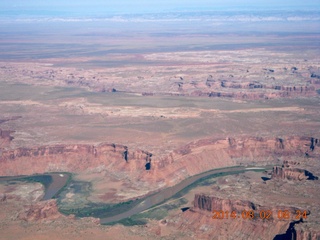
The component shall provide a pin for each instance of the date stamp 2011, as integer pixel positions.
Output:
(262, 214)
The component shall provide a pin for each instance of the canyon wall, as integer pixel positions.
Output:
(71, 158)
(292, 174)
(199, 221)
(207, 154)
(186, 161)
(307, 234)
(239, 89)
(41, 211)
(274, 228)
(210, 203)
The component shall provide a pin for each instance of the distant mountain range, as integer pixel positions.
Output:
(208, 16)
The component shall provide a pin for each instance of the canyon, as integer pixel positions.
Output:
(292, 174)
(204, 205)
(189, 160)
(213, 78)
(210, 207)
(133, 166)
(113, 111)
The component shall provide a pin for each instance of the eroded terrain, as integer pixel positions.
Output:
(126, 124)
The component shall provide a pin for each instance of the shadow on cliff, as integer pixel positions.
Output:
(290, 234)
(265, 178)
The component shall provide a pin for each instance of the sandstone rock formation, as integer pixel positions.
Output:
(292, 174)
(258, 83)
(274, 228)
(281, 92)
(199, 221)
(186, 161)
(232, 151)
(307, 234)
(74, 158)
(210, 203)
(297, 231)
(46, 210)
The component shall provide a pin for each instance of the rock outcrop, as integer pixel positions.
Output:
(186, 161)
(199, 219)
(296, 231)
(201, 214)
(45, 210)
(292, 174)
(73, 158)
(307, 234)
(210, 203)
(235, 151)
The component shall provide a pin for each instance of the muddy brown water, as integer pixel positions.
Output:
(58, 182)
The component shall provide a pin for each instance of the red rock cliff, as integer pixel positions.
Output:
(292, 174)
(186, 161)
(307, 234)
(210, 203)
(199, 219)
(73, 158)
(203, 155)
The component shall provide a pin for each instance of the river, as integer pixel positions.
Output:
(53, 182)
(56, 181)
(167, 193)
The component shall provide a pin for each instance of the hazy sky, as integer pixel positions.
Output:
(131, 6)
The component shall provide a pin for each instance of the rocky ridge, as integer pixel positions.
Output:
(295, 229)
(211, 203)
(41, 210)
(243, 83)
(186, 161)
(292, 174)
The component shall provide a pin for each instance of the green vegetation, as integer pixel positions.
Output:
(99, 210)
(80, 206)
(156, 213)
(202, 182)
(132, 221)
(160, 210)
